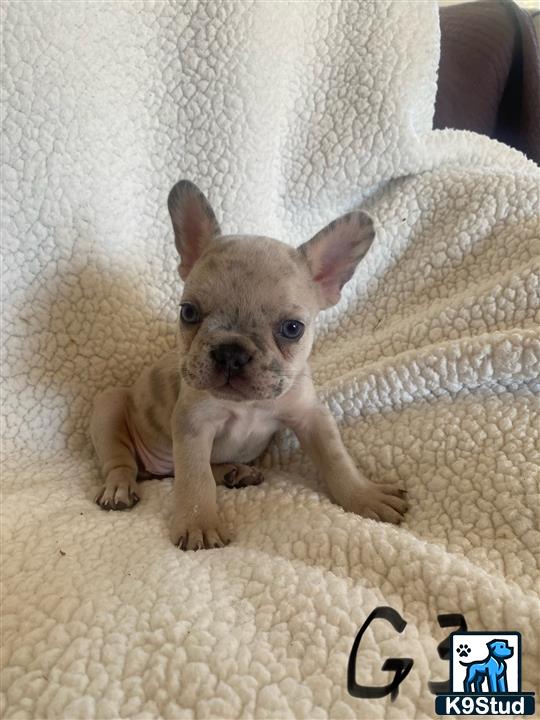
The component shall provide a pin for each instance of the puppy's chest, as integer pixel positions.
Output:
(244, 435)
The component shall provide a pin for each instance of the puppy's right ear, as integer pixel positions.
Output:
(194, 223)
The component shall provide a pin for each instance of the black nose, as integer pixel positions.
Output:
(231, 358)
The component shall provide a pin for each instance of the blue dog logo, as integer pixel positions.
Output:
(485, 676)
(493, 668)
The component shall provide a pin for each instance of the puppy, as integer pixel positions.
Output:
(247, 321)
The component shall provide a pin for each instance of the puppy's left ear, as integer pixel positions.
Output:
(194, 223)
(334, 252)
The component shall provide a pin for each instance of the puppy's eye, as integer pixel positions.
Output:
(189, 313)
(292, 329)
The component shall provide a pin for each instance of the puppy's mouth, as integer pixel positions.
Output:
(224, 385)
(240, 386)
(233, 387)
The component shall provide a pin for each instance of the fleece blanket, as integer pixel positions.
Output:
(286, 115)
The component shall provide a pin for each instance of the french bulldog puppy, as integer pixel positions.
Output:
(247, 319)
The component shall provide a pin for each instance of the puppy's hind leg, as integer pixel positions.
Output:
(115, 450)
(236, 475)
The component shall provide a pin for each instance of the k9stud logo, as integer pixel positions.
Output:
(485, 676)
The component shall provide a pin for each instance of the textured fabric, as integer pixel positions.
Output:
(287, 115)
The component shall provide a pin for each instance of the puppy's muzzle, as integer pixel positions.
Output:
(230, 358)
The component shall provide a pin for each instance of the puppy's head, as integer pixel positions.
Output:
(249, 303)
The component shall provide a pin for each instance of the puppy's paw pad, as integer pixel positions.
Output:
(118, 497)
(242, 476)
(463, 650)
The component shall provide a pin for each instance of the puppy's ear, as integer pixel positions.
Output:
(194, 223)
(334, 252)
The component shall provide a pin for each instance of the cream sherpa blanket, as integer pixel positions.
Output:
(287, 115)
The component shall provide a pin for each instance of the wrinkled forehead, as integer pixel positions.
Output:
(251, 271)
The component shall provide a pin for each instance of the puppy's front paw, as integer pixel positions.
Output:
(387, 503)
(120, 495)
(198, 536)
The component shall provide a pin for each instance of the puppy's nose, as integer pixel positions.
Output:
(231, 358)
